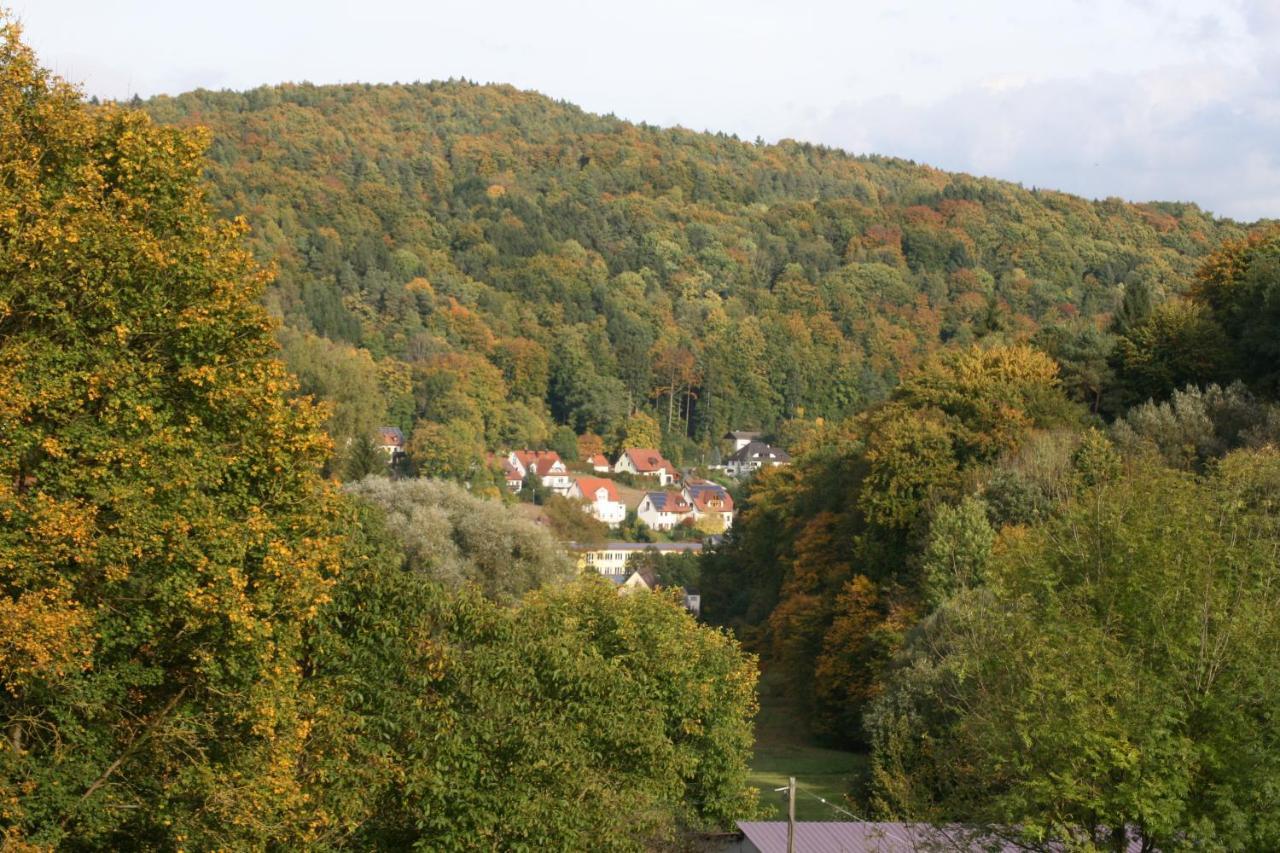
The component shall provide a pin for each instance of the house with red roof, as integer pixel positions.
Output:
(646, 462)
(599, 464)
(709, 500)
(546, 465)
(600, 499)
(390, 440)
(664, 510)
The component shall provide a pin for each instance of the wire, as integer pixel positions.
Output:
(824, 801)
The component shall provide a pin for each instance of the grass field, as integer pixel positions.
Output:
(784, 748)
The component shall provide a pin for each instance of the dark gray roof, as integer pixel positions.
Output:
(868, 837)
(660, 547)
(660, 500)
(758, 451)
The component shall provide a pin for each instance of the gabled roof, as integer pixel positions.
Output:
(646, 577)
(598, 461)
(668, 502)
(540, 461)
(391, 435)
(646, 460)
(590, 485)
(758, 451)
(742, 434)
(704, 495)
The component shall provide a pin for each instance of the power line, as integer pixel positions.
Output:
(828, 804)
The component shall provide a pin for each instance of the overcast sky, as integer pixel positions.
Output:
(1144, 99)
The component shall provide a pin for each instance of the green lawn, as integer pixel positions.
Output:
(784, 748)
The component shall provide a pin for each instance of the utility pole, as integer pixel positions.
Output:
(791, 814)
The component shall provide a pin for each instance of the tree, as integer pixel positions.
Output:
(590, 445)
(455, 723)
(453, 450)
(457, 539)
(565, 442)
(641, 431)
(1240, 284)
(165, 539)
(1141, 626)
(363, 458)
(1179, 344)
(958, 548)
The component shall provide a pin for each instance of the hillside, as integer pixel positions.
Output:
(501, 264)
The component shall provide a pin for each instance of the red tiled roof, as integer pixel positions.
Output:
(710, 496)
(540, 461)
(646, 460)
(590, 485)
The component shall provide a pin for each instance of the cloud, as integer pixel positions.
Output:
(1207, 133)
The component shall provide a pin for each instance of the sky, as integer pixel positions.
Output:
(1175, 100)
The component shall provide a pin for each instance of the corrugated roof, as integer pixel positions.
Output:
(869, 837)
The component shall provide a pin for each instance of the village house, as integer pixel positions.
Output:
(515, 482)
(740, 439)
(391, 442)
(646, 462)
(753, 456)
(546, 465)
(600, 498)
(709, 501)
(664, 510)
(610, 560)
(599, 464)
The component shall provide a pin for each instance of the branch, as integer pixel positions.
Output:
(131, 746)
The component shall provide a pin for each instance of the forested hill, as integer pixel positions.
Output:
(500, 264)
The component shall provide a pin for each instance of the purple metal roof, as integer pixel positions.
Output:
(866, 837)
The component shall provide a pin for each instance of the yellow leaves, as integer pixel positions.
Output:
(44, 635)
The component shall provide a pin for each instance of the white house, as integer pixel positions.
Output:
(391, 442)
(646, 462)
(740, 439)
(515, 482)
(599, 464)
(600, 498)
(664, 510)
(610, 559)
(709, 500)
(753, 456)
(546, 464)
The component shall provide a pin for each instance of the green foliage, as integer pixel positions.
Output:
(1240, 284)
(823, 569)
(1196, 426)
(602, 267)
(364, 458)
(452, 450)
(454, 538)
(446, 722)
(1116, 671)
(570, 524)
(165, 538)
(1179, 344)
(957, 550)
